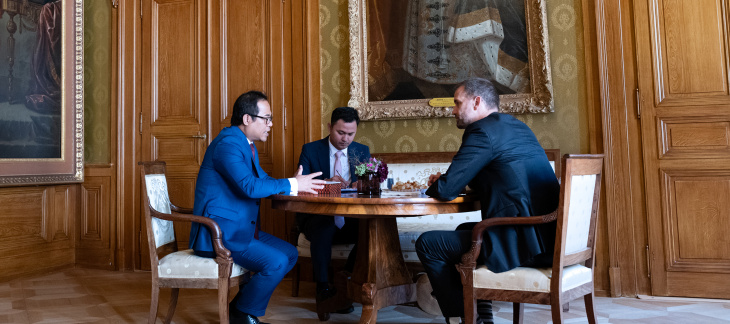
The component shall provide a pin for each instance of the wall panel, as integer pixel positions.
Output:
(96, 219)
(36, 224)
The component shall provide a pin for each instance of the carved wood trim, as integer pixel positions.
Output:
(625, 226)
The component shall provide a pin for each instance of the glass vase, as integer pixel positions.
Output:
(368, 184)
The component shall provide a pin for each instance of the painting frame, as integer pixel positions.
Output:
(69, 167)
(538, 100)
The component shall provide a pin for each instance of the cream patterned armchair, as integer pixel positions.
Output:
(181, 269)
(571, 275)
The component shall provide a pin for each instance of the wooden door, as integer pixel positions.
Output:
(250, 42)
(194, 59)
(683, 64)
(174, 109)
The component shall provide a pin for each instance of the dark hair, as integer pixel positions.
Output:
(482, 88)
(246, 104)
(347, 114)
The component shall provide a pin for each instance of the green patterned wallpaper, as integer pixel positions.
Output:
(566, 128)
(97, 81)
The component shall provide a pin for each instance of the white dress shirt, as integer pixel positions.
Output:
(293, 183)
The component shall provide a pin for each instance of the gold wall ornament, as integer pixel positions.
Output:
(538, 98)
(442, 102)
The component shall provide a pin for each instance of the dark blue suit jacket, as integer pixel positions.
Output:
(229, 188)
(502, 161)
(315, 157)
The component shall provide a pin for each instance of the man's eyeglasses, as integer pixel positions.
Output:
(269, 119)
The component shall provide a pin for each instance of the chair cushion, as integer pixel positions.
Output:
(185, 264)
(410, 228)
(531, 279)
(339, 251)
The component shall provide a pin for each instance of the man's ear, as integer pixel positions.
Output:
(245, 120)
(477, 102)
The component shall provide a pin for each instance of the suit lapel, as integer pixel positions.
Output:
(255, 162)
(324, 158)
(352, 152)
(254, 157)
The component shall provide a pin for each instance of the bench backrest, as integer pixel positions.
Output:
(419, 166)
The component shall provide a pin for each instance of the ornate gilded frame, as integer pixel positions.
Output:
(539, 100)
(69, 167)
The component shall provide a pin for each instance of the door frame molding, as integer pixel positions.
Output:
(625, 214)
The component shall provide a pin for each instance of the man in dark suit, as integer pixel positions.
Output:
(335, 156)
(229, 188)
(502, 161)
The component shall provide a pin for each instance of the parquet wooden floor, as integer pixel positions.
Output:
(96, 296)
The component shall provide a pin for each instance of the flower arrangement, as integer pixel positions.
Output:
(373, 165)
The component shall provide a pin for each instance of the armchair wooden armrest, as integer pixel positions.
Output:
(215, 231)
(182, 210)
(469, 259)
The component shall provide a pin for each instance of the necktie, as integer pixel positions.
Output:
(258, 217)
(339, 220)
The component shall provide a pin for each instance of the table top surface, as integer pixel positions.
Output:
(384, 199)
(362, 206)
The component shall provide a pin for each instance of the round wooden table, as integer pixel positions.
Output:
(380, 277)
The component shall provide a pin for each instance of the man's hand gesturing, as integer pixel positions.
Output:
(307, 183)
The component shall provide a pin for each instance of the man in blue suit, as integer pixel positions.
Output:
(229, 188)
(502, 161)
(335, 156)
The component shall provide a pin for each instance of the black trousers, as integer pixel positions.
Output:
(440, 252)
(321, 231)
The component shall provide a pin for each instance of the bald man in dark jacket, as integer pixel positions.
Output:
(502, 161)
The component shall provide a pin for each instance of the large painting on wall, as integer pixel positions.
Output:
(41, 92)
(404, 53)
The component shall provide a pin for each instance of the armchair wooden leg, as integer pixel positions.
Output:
(470, 304)
(590, 312)
(557, 310)
(470, 311)
(173, 303)
(223, 301)
(155, 298)
(295, 280)
(518, 313)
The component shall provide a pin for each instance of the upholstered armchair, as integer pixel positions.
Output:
(176, 269)
(571, 275)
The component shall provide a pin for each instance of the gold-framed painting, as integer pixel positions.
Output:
(41, 99)
(404, 53)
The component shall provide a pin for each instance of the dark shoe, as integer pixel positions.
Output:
(347, 310)
(329, 301)
(235, 316)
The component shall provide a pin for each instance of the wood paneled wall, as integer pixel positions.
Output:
(37, 229)
(45, 228)
(96, 219)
